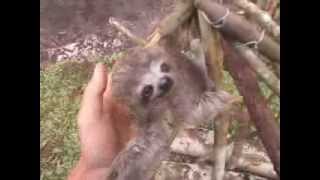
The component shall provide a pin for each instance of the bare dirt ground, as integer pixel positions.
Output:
(81, 29)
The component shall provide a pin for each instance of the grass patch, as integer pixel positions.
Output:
(61, 87)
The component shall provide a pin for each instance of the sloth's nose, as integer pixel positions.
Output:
(165, 84)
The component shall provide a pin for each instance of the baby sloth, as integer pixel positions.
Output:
(165, 91)
(156, 79)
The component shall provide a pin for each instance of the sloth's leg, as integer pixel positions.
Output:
(210, 104)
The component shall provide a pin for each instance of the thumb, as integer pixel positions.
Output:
(92, 97)
(98, 82)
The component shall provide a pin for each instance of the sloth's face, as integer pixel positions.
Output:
(145, 77)
(156, 82)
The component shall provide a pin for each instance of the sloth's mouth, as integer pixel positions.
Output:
(165, 86)
(162, 94)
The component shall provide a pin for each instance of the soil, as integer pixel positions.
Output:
(78, 29)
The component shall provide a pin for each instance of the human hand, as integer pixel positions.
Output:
(104, 128)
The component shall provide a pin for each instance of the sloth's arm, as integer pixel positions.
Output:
(198, 58)
(143, 156)
(197, 55)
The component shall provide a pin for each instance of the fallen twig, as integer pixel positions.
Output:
(182, 11)
(259, 169)
(127, 32)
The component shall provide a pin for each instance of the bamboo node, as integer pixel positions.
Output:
(252, 44)
(218, 23)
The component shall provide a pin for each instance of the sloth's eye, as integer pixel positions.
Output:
(164, 67)
(147, 92)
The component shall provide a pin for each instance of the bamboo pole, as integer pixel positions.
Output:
(237, 28)
(214, 55)
(258, 109)
(260, 68)
(261, 17)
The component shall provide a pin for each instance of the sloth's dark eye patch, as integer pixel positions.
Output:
(147, 92)
(164, 67)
